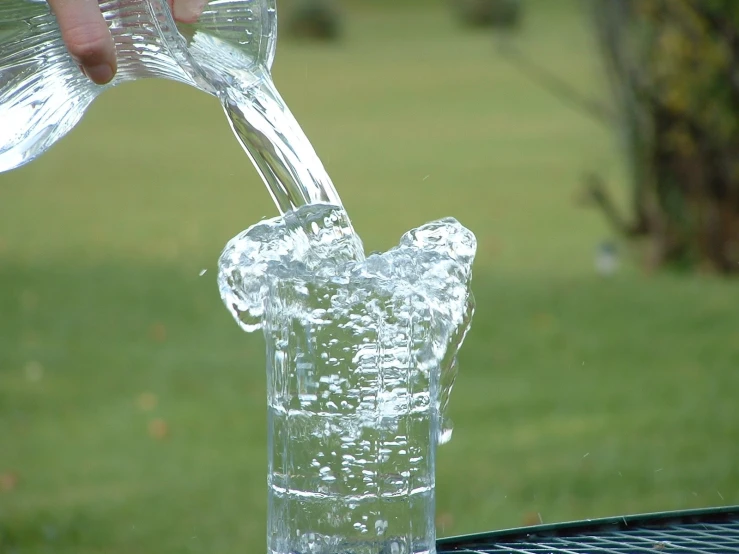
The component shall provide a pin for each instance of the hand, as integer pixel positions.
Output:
(88, 39)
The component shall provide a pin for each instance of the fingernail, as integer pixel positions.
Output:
(100, 74)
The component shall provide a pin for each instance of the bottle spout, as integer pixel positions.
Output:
(231, 43)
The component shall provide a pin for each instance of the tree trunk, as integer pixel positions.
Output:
(673, 67)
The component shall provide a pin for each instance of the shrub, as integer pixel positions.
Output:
(314, 19)
(488, 13)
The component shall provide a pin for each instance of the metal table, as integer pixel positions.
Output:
(714, 530)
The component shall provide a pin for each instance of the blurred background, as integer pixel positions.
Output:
(590, 145)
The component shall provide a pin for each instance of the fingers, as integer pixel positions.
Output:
(87, 37)
(187, 11)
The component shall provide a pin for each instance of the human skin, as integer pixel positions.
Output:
(88, 39)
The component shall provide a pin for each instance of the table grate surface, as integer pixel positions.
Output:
(700, 532)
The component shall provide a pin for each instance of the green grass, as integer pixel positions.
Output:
(577, 397)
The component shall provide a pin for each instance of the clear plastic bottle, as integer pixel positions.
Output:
(43, 93)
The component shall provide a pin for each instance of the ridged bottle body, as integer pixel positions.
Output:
(44, 94)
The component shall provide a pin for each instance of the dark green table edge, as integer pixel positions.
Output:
(464, 543)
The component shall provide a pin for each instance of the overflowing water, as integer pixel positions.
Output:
(361, 360)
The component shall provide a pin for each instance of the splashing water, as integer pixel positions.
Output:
(361, 359)
(316, 247)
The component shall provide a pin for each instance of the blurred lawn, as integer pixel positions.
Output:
(132, 409)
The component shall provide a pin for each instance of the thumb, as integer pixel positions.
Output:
(187, 11)
(87, 37)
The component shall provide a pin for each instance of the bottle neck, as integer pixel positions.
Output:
(148, 44)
